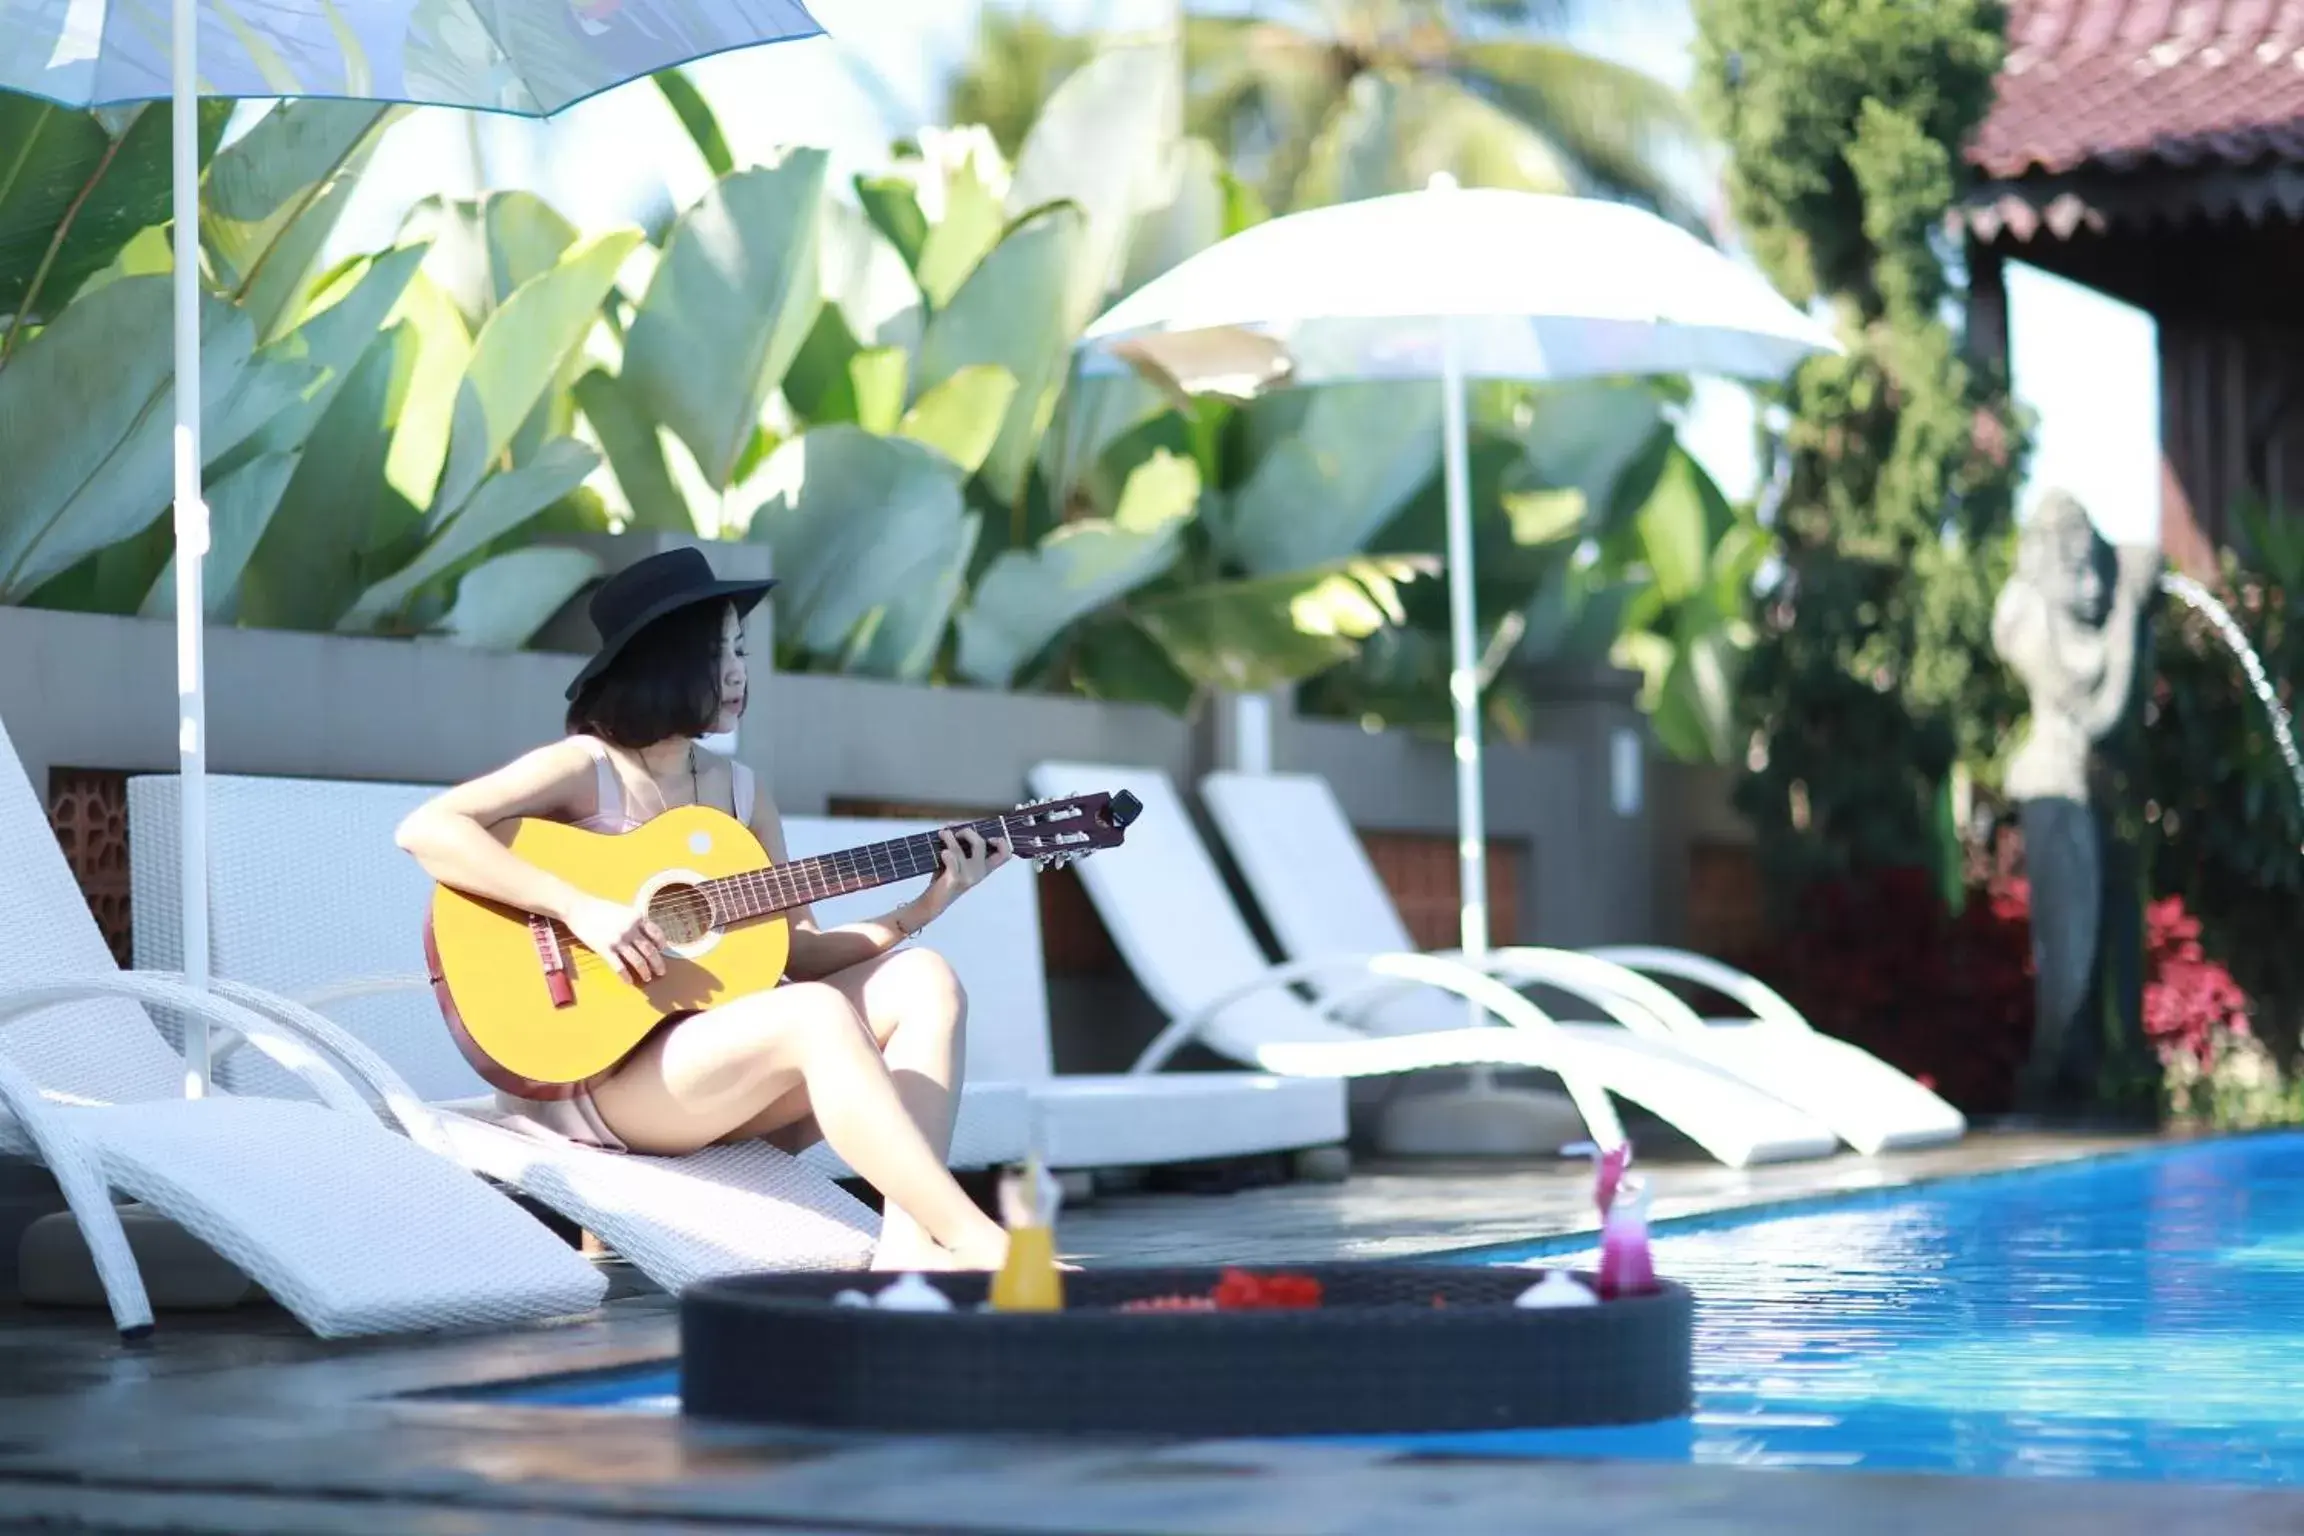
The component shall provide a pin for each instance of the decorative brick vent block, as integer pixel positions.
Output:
(88, 807)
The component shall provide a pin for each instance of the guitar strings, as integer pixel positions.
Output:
(691, 904)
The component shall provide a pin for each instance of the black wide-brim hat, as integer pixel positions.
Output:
(646, 590)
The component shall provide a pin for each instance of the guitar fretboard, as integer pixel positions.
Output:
(764, 892)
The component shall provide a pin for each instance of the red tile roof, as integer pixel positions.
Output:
(2124, 83)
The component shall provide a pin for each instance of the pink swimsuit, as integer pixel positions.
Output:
(578, 1118)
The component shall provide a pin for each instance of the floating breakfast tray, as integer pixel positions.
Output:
(1390, 1349)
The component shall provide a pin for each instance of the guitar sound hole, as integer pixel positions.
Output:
(682, 912)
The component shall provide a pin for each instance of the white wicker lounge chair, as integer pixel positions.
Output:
(352, 1228)
(1172, 916)
(343, 933)
(1313, 883)
(1083, 1120)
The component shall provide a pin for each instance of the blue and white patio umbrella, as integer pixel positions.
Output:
(529, 58)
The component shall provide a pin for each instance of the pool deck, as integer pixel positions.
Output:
(240, 1423)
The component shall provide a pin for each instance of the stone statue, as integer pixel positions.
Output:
(2071, 625)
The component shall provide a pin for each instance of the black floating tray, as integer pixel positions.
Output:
(1377, 1357)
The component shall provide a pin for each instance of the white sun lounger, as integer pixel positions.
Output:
(309, 898)
(351, 1227)
(1104, 1120)
(1315, 886)
(1173, 918)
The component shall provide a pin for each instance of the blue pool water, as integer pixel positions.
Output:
(2135, 1317)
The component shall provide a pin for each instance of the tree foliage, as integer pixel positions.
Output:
(1897, 465)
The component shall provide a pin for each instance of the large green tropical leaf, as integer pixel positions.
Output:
(437, 357)
(960, 418)
(454, 234)
(845, 513)
(732, 299)
(240, 505)
(865, 277)
(1361, 452)
(1693, 710)
(348, 314)
(1010, 314)
(1099, 143)
(894, 210)
(1247, 636)
(72, 194)
(525, 237)
(1679, 527)
(518, 355)
(628, 438)
(86, 420)
(696, 115)
(1193, 214)
(500, 506)
(271, 199)
(902, 637)
(968, 225)
(1592, 439)
(340, 512)
(501, 603)
(1026, 598)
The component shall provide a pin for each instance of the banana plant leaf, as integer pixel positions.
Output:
(524, 237)
(1360, 453)
(500, 505)
(1099, 143)
(735, 294)
(847, 514)
(1192, 214)
(501, 603)
(240, 506)
(85, 422)
(960, 417)
(1010, 314)
(340, 512)
(440, 352)
(1247, 636)
(866, 278)
(967, 227)
(1025, 599)
(517, 356)
(349, 313)
(73, 194)
(271, 199)
(629, 439)
(1597, 439)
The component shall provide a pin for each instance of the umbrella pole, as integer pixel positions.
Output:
(1463, 673)
(191, 533)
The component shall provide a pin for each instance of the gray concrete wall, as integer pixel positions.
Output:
(85, 691)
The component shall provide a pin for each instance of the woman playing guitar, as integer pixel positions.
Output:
(861, 1046)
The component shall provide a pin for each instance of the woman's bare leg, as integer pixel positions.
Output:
(721, 1071)
(918, 1014)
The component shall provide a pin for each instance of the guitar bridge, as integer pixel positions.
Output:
(559, 971)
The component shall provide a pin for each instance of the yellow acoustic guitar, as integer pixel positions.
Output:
(539, 1015)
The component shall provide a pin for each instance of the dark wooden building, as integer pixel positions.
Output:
(2154, 150)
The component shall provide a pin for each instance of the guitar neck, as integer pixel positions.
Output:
(765, 892)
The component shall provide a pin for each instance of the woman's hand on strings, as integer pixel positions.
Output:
(623, 936)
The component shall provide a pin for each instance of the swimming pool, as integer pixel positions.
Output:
(2139, 1316)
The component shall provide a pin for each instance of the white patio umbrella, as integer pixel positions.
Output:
(1449, 285)
(527, 58)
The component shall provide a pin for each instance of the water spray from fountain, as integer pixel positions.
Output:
(2205, 603)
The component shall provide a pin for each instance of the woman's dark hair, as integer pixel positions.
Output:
(664, 683)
